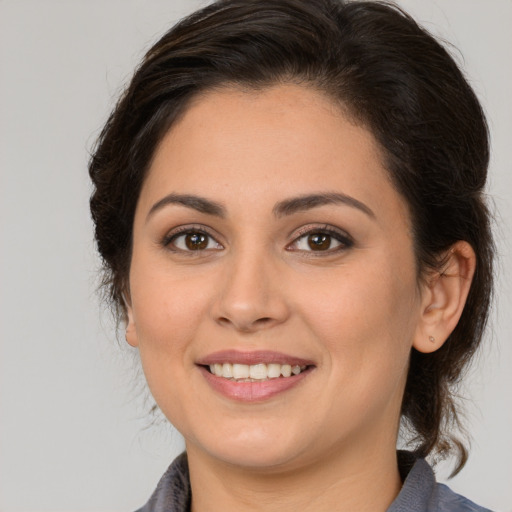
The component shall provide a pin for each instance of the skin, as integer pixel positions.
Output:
(354, 309)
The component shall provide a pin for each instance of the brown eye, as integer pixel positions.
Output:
(192, 241)
(196, 241)
(319, 241)
(322, 240)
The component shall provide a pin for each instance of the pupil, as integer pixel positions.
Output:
(196, 241)
(319, 241)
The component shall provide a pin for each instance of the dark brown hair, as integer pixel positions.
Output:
(392, 77)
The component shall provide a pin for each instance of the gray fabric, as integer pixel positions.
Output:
(420, 492)
(172, 494)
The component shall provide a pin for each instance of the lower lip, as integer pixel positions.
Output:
(252, 391)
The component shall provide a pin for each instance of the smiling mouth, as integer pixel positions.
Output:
(255, 372)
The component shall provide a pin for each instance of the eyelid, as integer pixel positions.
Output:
(183, 230)
(340, 235)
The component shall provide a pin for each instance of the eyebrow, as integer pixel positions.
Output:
(310, 201)
(197, 203)
(281, 209)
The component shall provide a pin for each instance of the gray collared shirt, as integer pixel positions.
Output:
(420, 492)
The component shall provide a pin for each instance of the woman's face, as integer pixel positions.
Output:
(268, 238)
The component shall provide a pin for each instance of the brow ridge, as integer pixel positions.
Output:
(310, 201)
(281, 209)
(194, 202)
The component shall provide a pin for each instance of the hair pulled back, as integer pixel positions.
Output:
(390, 76)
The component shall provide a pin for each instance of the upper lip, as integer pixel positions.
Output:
(250, 358)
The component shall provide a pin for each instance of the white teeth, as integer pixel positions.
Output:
(227, 370)
(240, 371)
(254, 372)
(258, 371)
(273, 370)
(286, 370)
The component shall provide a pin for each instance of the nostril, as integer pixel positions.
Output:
(246, 326)
(264, 320)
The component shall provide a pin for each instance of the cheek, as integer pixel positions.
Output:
(365, 316)
(166, 309)
(166, 312)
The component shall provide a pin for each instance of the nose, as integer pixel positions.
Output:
(251, 297)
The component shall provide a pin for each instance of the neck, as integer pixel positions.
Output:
(344, 482)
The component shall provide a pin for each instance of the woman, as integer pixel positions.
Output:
(289, 204)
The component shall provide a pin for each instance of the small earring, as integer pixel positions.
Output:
(431, 339)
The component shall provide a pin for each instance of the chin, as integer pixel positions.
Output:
(253, 450)
(255, 458)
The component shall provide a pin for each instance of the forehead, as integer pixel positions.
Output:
(282, 140)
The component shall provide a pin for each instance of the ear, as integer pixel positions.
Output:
(131, 331)
(444, 297)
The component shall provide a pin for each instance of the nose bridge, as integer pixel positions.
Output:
(250, 297)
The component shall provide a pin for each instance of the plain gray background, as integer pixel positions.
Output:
(72, 409)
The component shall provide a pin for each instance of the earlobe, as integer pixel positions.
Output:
(131, 332)
(445, 296)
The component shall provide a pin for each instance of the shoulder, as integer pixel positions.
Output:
(421, 493)
(448, 501)
(172, 494)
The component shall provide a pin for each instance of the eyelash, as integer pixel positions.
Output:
(342, 238)
(171, 238)
(345, 241)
